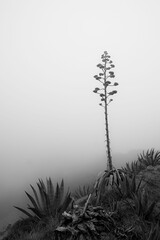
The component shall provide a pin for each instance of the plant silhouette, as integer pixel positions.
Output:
(106, 73)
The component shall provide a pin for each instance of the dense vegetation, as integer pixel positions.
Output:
(118, 206)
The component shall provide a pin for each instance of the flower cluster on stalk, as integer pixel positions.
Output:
(103, 77)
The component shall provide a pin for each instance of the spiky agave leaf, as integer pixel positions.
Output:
(155, 155)
(139, 184)
(42, 185)
(134, 185)
(45, 207)
(43, 197)
(24, 211)
(137, 204)
(50, 189)
(35, 209)
(57, 200)
(128, 168)
(36, 197)
(38, 213)
(126, 186)
(65, 204)
(101, 182)
(60, 203)
(32, 200)
(61, 191)
(50, 194)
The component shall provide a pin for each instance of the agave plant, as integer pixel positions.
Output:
(150, 158)
(126, 186)
(133, 168)
(116, 185)
(105, 181)
(49, 202)
(105, 186)
(143, 207)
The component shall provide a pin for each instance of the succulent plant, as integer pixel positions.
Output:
(150, 158)
(49, 202)
(143, 206)
(133, 168)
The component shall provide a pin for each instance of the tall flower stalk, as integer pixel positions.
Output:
(106, 96)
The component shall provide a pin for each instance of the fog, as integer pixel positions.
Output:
(50, 120)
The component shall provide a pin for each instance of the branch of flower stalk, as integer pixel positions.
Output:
(112, 93)
(100, 81)
(102, 95)
(98, 78)
(112, 85)
(100, 104)
(109, 101)
(98, 89)
(106, 84)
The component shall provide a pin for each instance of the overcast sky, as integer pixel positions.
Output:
(50, 120)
